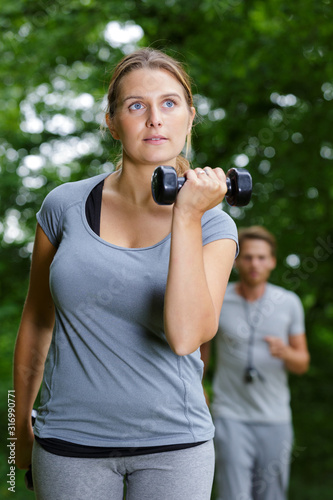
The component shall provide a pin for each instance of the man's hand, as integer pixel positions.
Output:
(295, 354)
(277, 347)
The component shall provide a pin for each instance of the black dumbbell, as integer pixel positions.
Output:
(165, 185)
(28, 475)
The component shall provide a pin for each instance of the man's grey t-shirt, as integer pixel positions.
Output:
(111, 378)
(278, 313)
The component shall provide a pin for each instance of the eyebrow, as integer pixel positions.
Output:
(142, 97)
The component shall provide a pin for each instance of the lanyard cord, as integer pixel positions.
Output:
(252, 326)
(251, 336)
(251, 339)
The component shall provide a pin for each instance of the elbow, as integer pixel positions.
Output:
(184, 349)
(187, 344)
(300, 370)
(306, 364)
(182, 346)
(303, 367)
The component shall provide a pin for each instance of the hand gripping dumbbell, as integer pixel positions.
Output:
(165, 186)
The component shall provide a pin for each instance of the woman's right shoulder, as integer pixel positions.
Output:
(70, 192)
(57, 202)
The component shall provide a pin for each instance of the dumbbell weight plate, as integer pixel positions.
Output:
(239, 183)
(164, 185)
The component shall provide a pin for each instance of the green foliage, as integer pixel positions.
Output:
(263, 75)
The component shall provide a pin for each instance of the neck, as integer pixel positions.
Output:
(133, 186)
(250, 292)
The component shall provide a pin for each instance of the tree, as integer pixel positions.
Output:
(263, 78)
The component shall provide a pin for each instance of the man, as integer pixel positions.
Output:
(261, 337)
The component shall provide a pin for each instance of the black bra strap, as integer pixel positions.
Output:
(93, 207)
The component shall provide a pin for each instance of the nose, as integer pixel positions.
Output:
(255, 263)
(154, 118)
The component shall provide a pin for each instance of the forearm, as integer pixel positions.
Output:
(198, 275)
(30, 353)
(296, 361)
(190, 316)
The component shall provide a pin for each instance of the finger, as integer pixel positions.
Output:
(190, 174)
(209, 171)
(219, 174)
(200, 171)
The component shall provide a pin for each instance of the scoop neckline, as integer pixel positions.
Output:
(92, 233)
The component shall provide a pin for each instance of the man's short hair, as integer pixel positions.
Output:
(256, 233)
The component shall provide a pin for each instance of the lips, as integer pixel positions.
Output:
(155, 139)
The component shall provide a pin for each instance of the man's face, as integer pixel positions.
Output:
(255, 262)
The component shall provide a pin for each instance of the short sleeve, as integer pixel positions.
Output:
(217, 225)
(50, 214)
(297, 324)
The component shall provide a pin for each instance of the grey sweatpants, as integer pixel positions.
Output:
(173, 475)
(252, 460)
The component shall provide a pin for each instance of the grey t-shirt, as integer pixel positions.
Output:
(278, 313)
(110, 377)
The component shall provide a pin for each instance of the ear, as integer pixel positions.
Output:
(190, 123)
(111, 126)
(273, 263)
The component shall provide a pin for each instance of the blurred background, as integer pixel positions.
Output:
(263, 82)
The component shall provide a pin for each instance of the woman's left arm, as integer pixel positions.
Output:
(198, 275)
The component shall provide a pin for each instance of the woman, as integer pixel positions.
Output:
(122, 294)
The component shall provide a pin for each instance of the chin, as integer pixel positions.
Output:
(254, 281)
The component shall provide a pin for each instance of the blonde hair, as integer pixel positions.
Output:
(151, 59)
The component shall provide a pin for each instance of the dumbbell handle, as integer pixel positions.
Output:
(182, 180)
(166, 184)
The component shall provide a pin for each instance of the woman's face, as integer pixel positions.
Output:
(152, 117)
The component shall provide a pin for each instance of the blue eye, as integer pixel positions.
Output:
(136, 106)
(169, 104)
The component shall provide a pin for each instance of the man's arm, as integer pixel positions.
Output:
(205, 356)
(295, 354)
